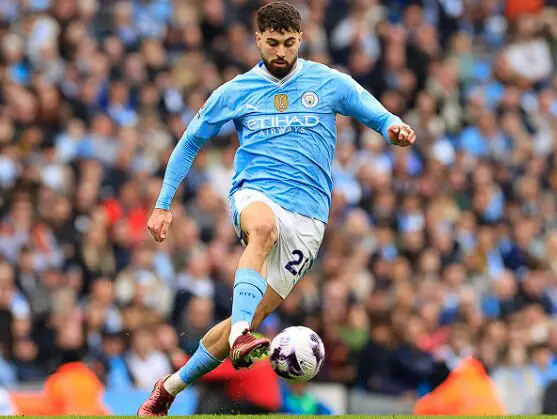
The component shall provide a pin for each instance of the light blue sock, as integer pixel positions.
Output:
(199, 364)
(249, 288)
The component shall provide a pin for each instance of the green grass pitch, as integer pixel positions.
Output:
(278, 415)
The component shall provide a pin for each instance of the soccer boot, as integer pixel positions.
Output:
(247, 348)
(158, 402)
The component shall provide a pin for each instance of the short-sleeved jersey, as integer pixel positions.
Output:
(287, 132)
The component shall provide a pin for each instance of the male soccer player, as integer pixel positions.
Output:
(284, 110)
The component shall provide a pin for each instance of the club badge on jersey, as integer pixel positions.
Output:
(310, 99)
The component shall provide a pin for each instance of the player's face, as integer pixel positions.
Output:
(279, 50)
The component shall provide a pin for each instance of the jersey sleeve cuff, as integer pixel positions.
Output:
(165, 197)
(393, 120)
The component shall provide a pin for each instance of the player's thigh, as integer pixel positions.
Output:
(295, 252)
(253, 213)
(258, 220)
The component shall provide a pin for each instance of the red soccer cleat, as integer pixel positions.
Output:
(158, 402)
(247, 348)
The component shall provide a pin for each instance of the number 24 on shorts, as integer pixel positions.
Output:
(292, 266)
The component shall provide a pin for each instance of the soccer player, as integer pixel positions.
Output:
(284, 110)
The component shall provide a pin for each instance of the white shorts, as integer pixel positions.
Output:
(299, 239)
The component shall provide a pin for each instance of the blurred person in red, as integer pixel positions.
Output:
(73, 389)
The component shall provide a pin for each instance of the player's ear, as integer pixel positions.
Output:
(258, 39)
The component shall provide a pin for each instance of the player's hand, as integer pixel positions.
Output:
(401, 135)
(158, 223)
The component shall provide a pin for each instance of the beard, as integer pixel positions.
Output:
(279, 71)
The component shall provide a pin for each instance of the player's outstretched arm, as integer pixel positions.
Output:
(207, 123)
(358, 103)
(178, 166)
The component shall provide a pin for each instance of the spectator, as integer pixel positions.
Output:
(167, 340)
(522, 394)
(146, 364)
(544, 362)
(114, 367)
(25, 360)
(140, 284)
(8, 373)
(197, 320)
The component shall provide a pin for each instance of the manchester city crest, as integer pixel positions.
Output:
(310, 99)
(281, 102)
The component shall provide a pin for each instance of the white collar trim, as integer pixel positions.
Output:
(263, 72)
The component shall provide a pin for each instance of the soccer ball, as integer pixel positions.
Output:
(297, 354)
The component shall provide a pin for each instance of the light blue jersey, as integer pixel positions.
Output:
(287, 133)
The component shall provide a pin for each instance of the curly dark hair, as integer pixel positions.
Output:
(279, 16)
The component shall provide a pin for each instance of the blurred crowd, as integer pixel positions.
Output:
(432, 253)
